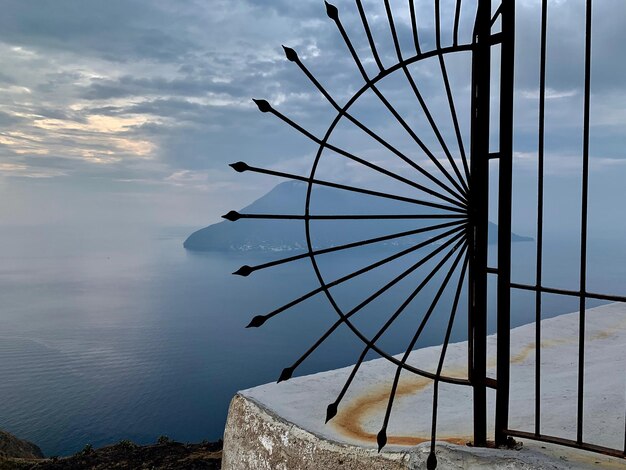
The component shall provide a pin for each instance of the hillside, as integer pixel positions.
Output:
(125, 455)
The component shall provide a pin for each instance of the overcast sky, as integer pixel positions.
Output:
(116, 112)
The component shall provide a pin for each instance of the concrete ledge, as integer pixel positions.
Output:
(257, 439)
(281, 426)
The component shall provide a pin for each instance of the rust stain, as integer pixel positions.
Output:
(603, 335)
(527, 350)
(350, 419)
(610, 331)
(595, 460)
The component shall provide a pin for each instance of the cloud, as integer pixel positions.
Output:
(157, 93)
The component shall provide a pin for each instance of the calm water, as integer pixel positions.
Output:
(109, 338)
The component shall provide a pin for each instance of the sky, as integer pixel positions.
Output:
(128, 112)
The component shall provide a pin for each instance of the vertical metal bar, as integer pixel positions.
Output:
(583, 229)
(479, 191)
(470, 320)
(370, 38)
(457, 18)
(507, 62)
(540, 173)
(453, 115)
(414, 27)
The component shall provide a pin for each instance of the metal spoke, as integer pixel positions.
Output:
(261, 319)
(419, 97)
(241, 167)
(416, 41)
(265, 107)
(332, 408)
(293, 56)
(334, 15)
(432, 458)
(287, 372)
(498, 13)
(446, 81)
(382, 435)
(234, 216)
(457, 18)
(370, 39)
(247, 270)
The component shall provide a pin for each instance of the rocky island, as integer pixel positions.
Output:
(289, 235)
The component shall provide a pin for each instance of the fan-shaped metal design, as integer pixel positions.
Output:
(445, 182)
(448, 210)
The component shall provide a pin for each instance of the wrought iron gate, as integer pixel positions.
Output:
(503, 271)
(458, 195)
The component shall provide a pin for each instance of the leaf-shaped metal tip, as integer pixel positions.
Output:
(331, 411)
(263, 105)
(431, 462)
(232, 216)
(381, 438)
(239, 166)
(331, 11)
(290, 54)
(256, 321)
(244, 271)
(285, 374)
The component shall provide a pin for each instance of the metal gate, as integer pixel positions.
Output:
(503, 270)
(457, 193)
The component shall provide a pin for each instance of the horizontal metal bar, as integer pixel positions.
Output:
(234, 216)
(496, 39)
(491, 383)
(492, 270)
(552, 290)
(494, 155)
(566, 442)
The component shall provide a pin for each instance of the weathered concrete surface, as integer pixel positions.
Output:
(255, 438)
(258, 439)
(281, 426)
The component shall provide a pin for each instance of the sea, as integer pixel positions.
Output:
(129, 336)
